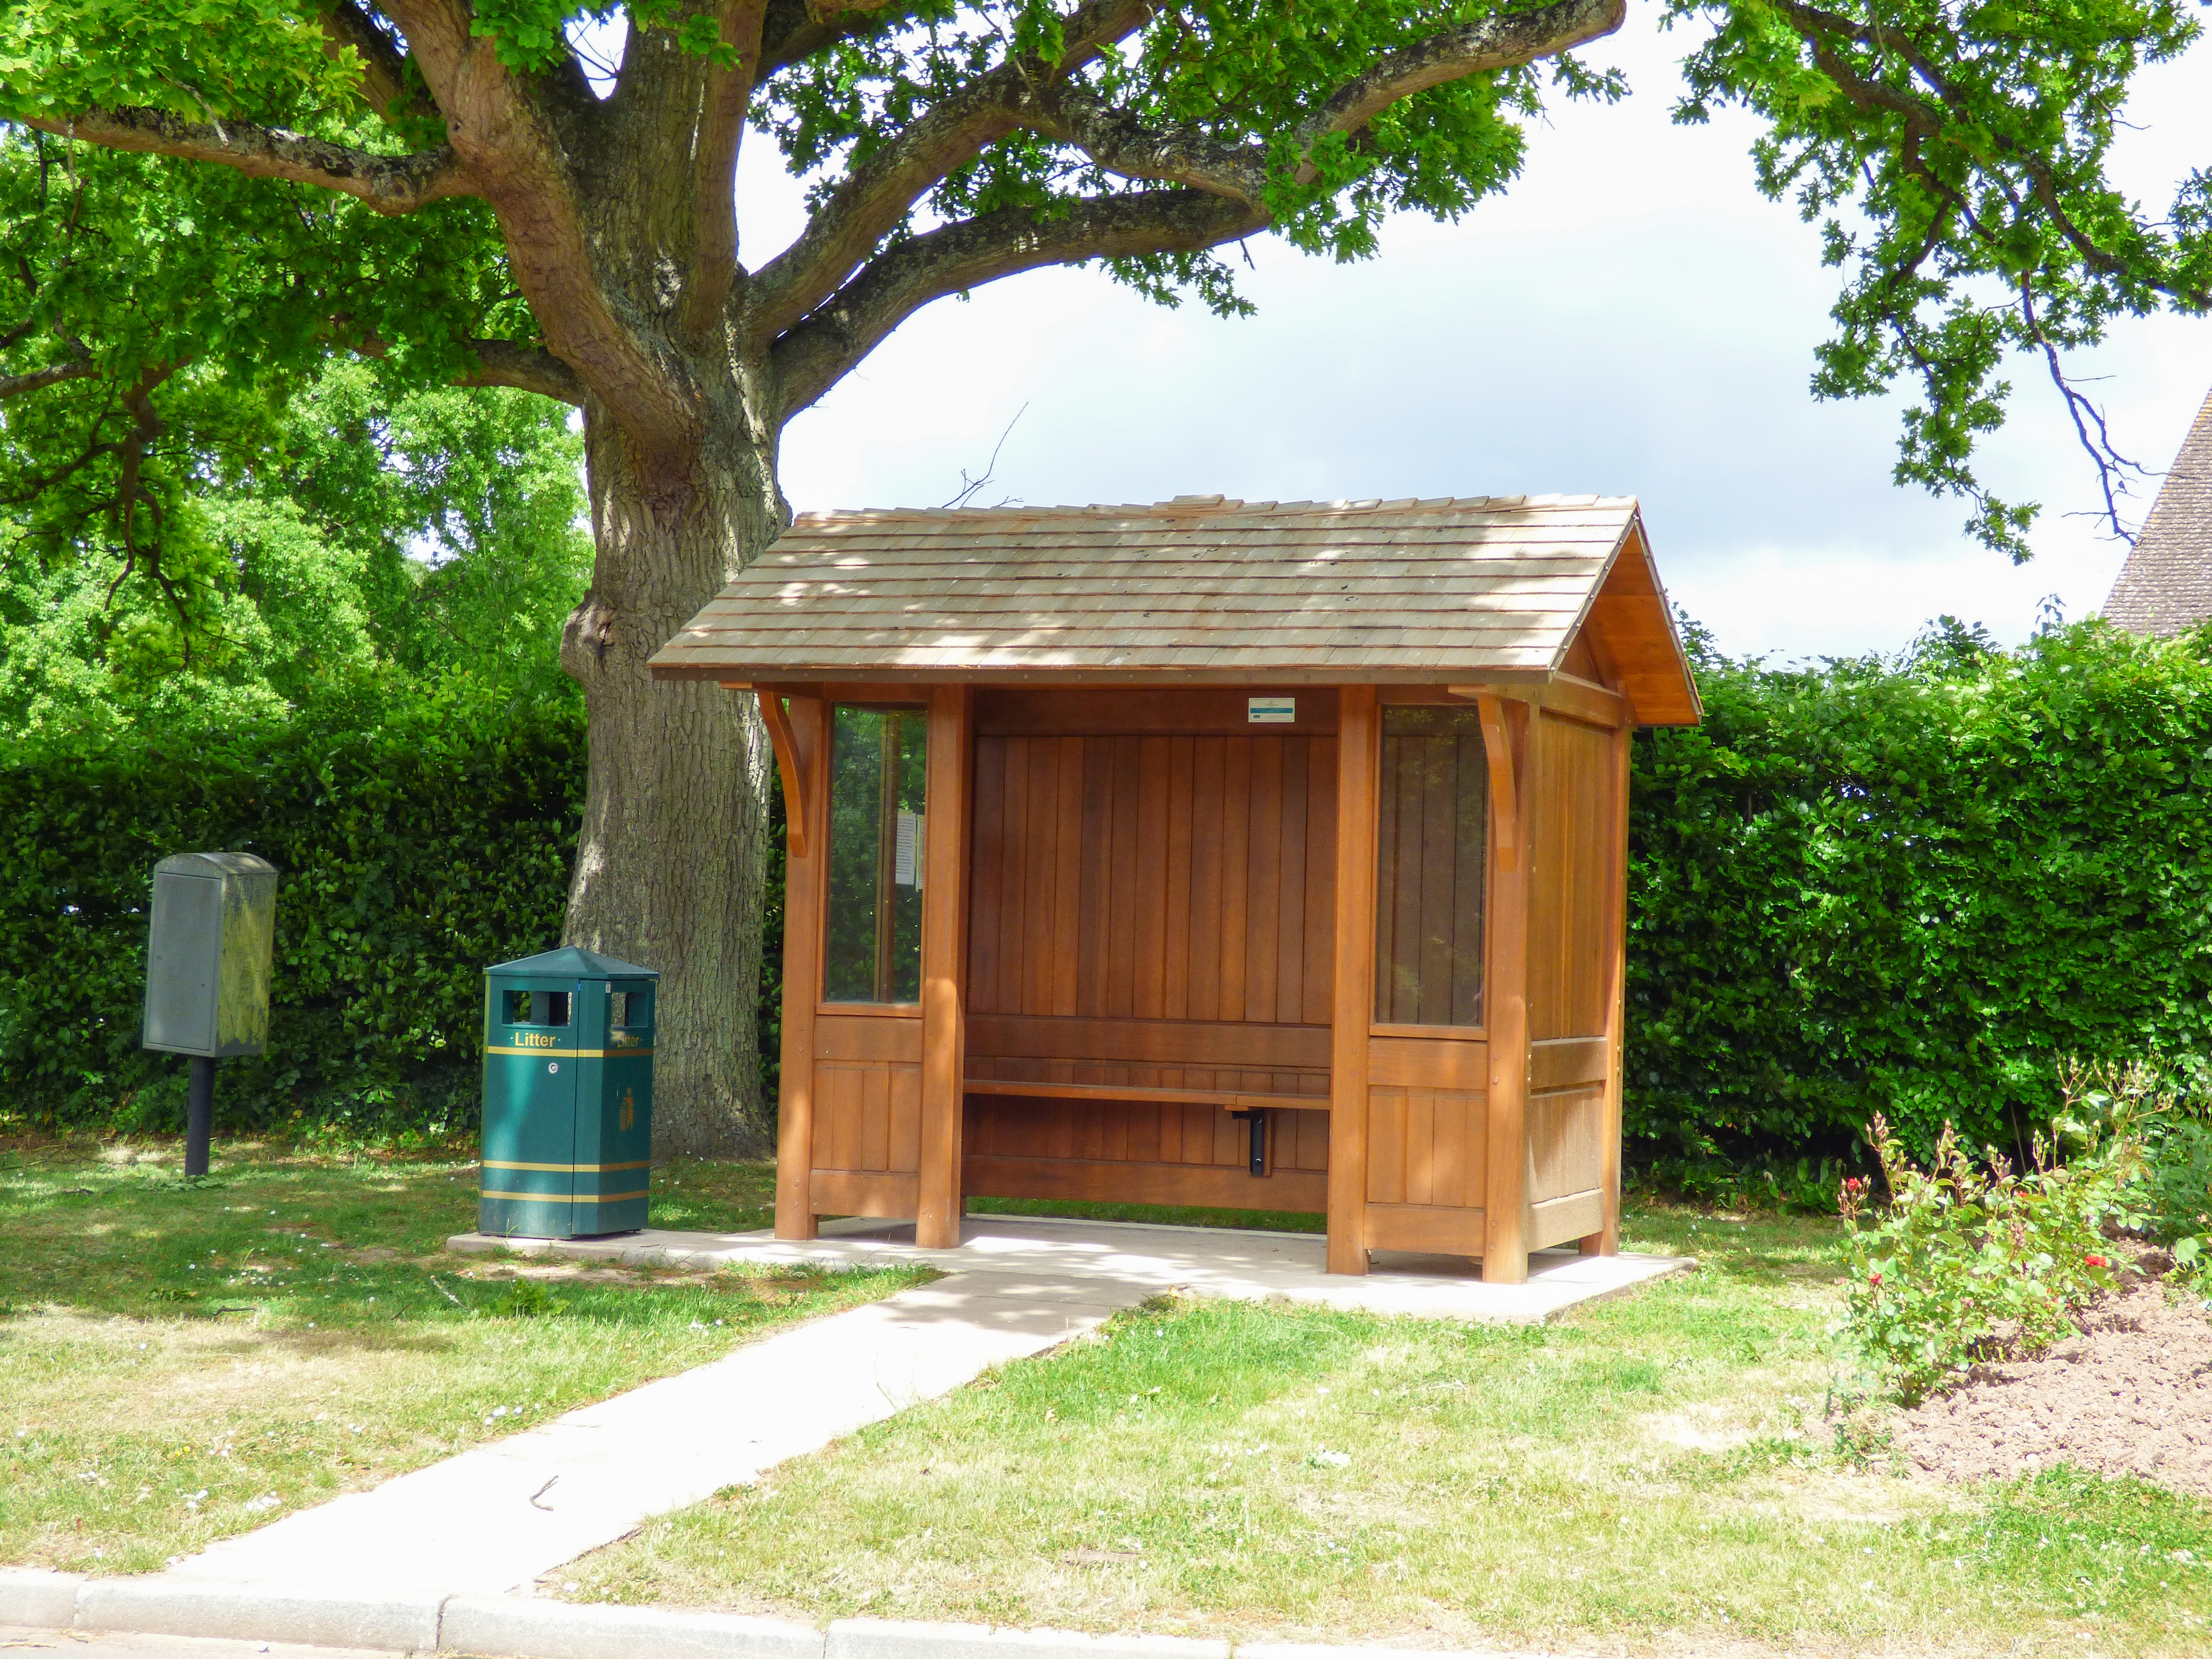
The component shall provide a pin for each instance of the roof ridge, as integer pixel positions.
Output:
(1190, 506)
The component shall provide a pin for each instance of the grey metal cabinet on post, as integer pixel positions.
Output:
(210, 942)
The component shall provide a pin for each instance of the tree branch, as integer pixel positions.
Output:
(881, 190)
(383, 71)
(511, 135)
(437, 34)
(506, 362)
(795, 30)
(714, 172)
(1492, 43)
(815, 355)
(1820, 29)
(388, 183)
(1121, 145)
(37, 380)
(527, 369)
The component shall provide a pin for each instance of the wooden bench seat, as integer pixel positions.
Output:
(1234, 1100)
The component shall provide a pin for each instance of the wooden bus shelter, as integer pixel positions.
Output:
(1209, 852)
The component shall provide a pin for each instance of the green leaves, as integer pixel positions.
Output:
(1955, 156)
(200, 59)
(413, 851)
(1910, 887)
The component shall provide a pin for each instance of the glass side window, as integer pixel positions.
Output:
(1432, 846)
(878, 762)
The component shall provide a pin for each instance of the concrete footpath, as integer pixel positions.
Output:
(495, 1518)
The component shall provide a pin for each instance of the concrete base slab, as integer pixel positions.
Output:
(495, 1518)
(1233, 1263)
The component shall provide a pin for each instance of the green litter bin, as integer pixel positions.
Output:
(568, 1096)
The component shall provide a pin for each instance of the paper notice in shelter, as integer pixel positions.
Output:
(906, 869)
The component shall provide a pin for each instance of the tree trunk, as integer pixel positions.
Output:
(670, 860)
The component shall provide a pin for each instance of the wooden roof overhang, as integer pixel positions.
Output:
(1487, 590)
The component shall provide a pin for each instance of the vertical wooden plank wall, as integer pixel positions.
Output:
(1152, 909)
(1351, 1008)
(943, 956)
(802, 972)
(1508, 735)
(1577, 875)
(1606, 1241)
(1152, 877)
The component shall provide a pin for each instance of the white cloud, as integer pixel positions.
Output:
(1633, 317)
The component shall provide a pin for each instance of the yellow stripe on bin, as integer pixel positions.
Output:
(571, 1054)
(567, 1198)
(566, 1168)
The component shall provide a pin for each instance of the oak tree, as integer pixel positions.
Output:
(450, 187)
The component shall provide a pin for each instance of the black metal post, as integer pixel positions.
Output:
(1258, 1120)
(200, 1116)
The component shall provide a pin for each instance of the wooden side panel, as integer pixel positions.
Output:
(867, 1101)
(1426, 1146)
(1571, 880)
(1566, 1153)
(1605, 1239)
(1428, 1230)
(842, 1192)
(1559, 1219)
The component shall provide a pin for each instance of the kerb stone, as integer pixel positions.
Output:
(32, 1595)
(169, 1606)
(889, 1639)
(514, 1628)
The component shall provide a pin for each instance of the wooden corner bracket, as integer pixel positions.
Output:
(779, 734)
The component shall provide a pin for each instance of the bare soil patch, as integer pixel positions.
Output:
(2132, 1395)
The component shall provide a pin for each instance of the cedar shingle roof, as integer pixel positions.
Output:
(1196, 590)
(2166, 585)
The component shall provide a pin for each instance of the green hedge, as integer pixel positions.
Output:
(411, 855)
(1856, 887)
(1913, 888)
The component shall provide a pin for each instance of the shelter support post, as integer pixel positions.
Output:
(1352, 1007)
(805, 775)
(1508, 738)
(1607, 1240)
(944, 956)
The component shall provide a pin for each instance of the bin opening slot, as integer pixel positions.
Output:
(538, 1007)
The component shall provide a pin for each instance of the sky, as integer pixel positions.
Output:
(1632, 318)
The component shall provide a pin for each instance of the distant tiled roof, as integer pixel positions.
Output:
(2166, 586)
(1198, 588)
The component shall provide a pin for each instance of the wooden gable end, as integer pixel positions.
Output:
(1628, 632)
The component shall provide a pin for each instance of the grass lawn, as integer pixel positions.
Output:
(1654, 1473)
(188, 1360)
